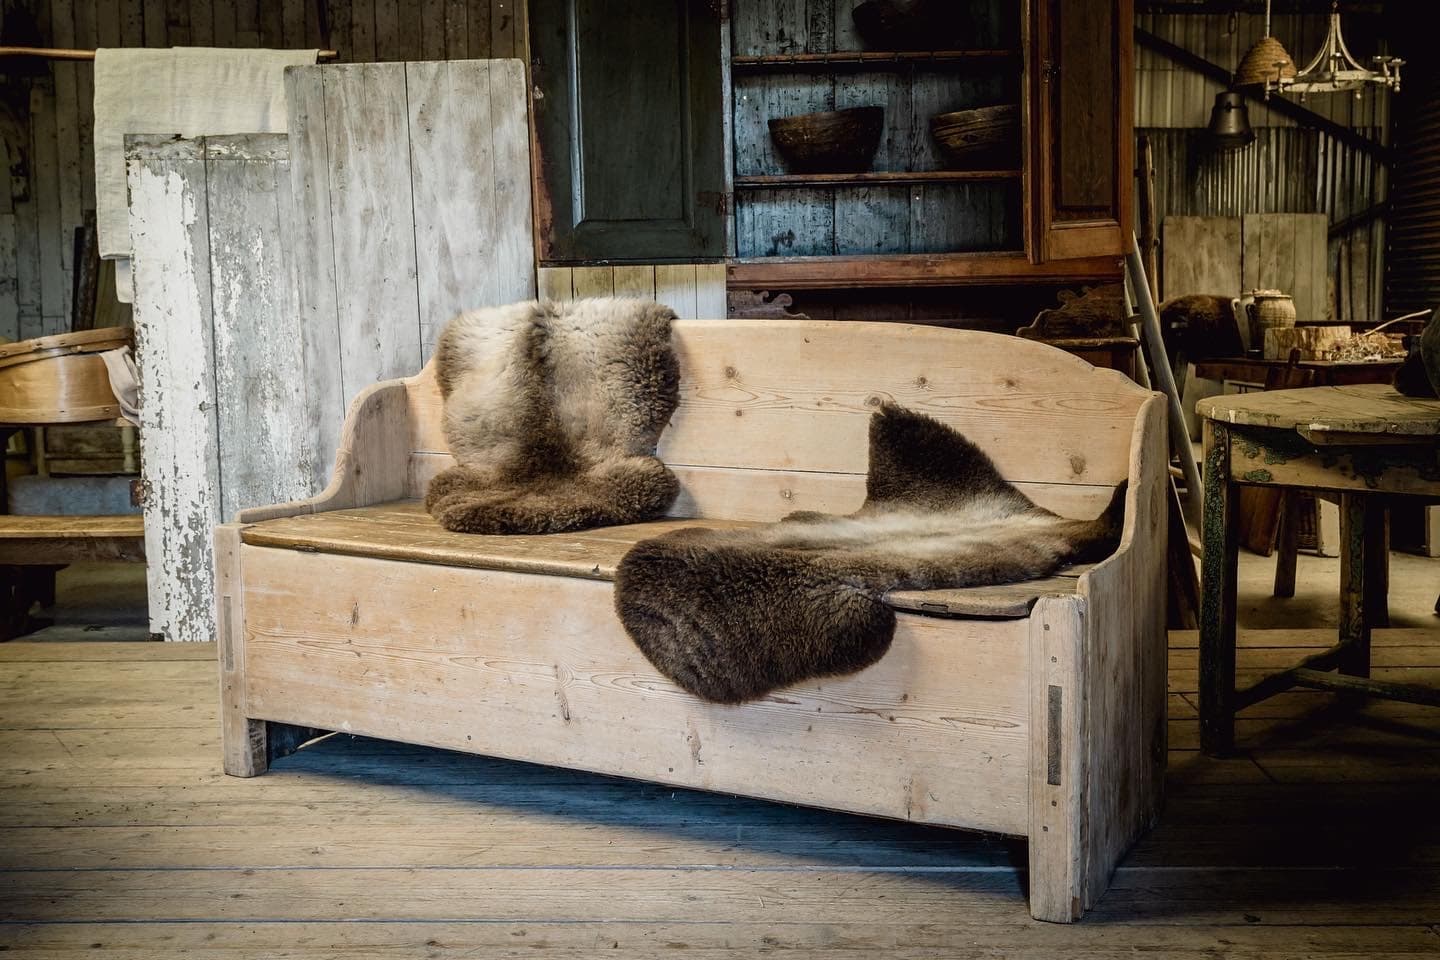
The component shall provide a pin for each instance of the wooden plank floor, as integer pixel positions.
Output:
(119, 837)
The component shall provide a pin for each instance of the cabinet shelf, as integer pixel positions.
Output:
(873, 59)
(869, 179)
(914, 270)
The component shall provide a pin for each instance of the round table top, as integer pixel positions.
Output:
(1367, 411)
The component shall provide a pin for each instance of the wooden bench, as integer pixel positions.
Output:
(32, 548)
(1034, 710)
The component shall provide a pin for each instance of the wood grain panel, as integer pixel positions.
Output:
(312, 260)
(365, 645)
(266, 451)
(1201, 255)
(752, 396)
(739, 493)
(472, 219)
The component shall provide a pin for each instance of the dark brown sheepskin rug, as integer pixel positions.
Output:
(552, 412)
(731, 615)
(1419, 375)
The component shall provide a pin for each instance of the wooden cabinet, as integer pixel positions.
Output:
(629, 98)
(1082, 102)
(628, 110)
(1054, 215)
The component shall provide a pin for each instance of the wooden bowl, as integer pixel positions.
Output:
(908, 24)
(987, 136)
(59, 379)
(836, 141)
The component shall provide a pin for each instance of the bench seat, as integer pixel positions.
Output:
(402, 530)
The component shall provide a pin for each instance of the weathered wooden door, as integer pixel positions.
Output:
(627, 102)
(1081, 128)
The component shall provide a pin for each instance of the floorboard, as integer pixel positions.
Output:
(119, 837)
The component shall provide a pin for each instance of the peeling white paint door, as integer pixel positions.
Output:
(169, 228)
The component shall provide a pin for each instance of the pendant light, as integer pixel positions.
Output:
(1333, 69)
(1265, 64)
(1230, 121)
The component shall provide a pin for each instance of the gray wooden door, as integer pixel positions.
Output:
(628, 116)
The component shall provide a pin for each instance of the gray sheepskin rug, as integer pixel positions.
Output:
(731, 615)
(552, 412)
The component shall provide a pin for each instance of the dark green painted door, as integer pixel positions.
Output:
(628, 118)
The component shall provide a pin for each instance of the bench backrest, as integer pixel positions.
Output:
(774, 414)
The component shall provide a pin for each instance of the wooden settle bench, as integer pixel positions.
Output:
(1033, 710)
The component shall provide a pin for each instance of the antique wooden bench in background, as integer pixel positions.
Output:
(1033, 710)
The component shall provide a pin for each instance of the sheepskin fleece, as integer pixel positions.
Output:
(552, 412)
(731, 615)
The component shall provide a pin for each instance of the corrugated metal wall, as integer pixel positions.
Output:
(1413, 282)
(1289, 168)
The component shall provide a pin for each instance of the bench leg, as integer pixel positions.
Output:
(243, 741)
(1057, 760)
(248, 745)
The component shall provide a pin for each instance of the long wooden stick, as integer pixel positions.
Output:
(61, 53)
(1161, 373)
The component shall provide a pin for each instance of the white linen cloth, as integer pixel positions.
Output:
(191, 91)
(124, 380)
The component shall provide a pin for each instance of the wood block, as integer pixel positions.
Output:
(1313, 342)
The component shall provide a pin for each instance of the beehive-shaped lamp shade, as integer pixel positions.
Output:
(1264, 64)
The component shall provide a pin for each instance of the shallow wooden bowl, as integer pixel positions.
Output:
(836, 141)
(59, 379)
(907, 24)
(980, 137)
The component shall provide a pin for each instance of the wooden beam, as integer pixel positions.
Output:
(1279, 104)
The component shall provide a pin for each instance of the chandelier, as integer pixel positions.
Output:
(1267, 65)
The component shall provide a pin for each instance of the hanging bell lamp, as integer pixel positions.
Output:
(1230, 121)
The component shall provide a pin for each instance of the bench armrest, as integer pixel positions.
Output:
(1119, 658)
(372, 462)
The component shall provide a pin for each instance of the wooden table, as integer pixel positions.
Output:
(1366, 442)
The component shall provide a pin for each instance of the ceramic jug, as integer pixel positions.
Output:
(1269, 308)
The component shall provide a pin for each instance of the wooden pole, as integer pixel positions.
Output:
(1163, 377)
(1149, 242)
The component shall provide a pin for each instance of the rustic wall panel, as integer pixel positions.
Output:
(272, 286)
(692, 290)
(48, 129)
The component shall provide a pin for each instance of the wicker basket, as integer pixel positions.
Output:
(1266, 61)
(59, 379)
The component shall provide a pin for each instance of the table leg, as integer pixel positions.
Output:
(1377, 564)
(1221, 536)
(1287, 543)
(1363, 572)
